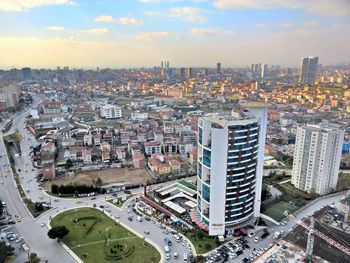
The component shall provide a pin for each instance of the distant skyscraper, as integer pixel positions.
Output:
(205, 72)
(252, 68)
(189, 73)
(230, 169)
(27, 74)
(167, 64)
(182, 73)
(308, 70)
(161, 64)
(218, 68)
(317, 156)
(264, 71)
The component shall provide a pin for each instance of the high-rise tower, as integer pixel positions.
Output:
(317, 156)
(308, 71)
(230, 169)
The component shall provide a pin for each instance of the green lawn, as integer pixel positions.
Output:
(202, 242)
(97, 238)
(123, 102)
(277, 211)
(120, 201)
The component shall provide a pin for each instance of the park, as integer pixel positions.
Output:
(94, 237)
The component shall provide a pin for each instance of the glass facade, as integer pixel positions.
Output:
(241, 165)
(206, 157)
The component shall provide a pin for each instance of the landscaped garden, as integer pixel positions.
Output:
(94, 237)
(201, 240)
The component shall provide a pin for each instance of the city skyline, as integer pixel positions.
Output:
(142, 33)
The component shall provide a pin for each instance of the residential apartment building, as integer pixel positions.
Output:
(9, 95)
(308, 70)
(317, 156)
(230, 169)
(110, 111)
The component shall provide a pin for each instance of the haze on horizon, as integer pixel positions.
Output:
(134, 33)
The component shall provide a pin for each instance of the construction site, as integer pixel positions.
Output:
(322, 237)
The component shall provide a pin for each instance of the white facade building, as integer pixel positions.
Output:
(139, 116)
(230, 169)
(110, 111)
(317, 158)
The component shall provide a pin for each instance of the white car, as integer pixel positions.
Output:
(42, 224)
(19, 239)
(256, 239)
(251, 234)
(167, 256)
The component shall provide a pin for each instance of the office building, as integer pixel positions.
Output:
(205, 72)
(308, 71)
(317, 158)
(230, 169)
(182, 73)
(110, 111)
(189, 73)
(27, 74)
(218, 68)
(264, 71)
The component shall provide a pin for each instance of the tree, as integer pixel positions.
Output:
(33, 258)
(39, 207)
(5, 251)
(69, 164)
(98, 182)
(1, 208)
(58, 232)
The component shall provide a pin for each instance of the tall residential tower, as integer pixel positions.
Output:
(308, 70)
(230, 169)
(317, 158)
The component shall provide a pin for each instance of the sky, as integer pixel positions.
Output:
(141, 33)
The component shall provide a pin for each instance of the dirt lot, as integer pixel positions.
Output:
(108, 176)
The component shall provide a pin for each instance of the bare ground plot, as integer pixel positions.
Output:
(108, 176)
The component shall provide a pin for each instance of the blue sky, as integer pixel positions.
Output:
(130, 33)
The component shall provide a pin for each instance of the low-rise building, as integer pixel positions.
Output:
(110, 111)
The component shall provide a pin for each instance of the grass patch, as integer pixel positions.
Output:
(122, 102)
(343, 181)
(34, 209)
(201, 240)
(277, 211)
(120, 202)
(94, 237)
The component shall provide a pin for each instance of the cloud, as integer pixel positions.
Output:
(190, 14)
(150, 36)
(56, 28)
(23, 5)
(130, 21)
(212, 32)
(323, 7)
(95, 31)
(312, 23)
(105, 19)
(152, 13)
(121, 20)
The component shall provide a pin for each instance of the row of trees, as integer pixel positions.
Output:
(76, 189)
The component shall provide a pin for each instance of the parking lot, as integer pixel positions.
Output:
(233, 250)
(11, 238)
